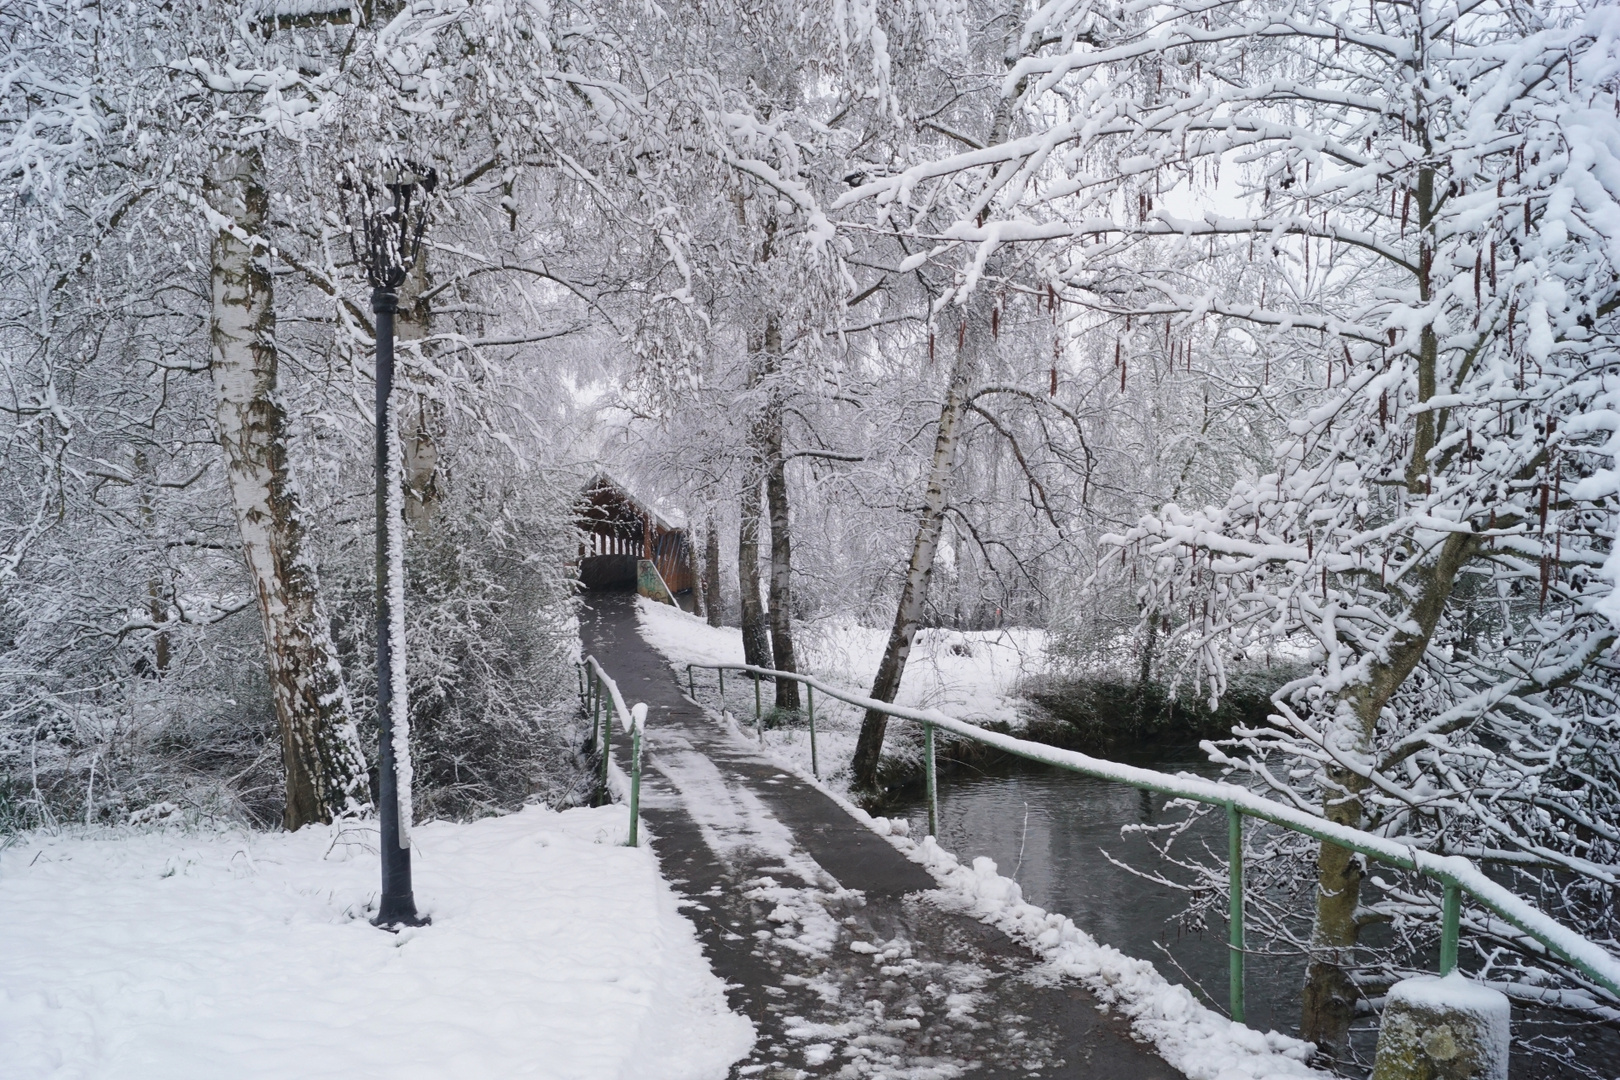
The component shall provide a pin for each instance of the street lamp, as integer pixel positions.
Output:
(388, 242)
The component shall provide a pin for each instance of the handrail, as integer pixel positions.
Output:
(632, 718)
(1456, 873)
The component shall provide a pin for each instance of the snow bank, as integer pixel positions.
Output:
(972, 674)
(554, 952)
(967, 674)
(686, 639)
(1189, 1035)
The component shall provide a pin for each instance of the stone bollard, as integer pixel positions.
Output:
(1442, 1028)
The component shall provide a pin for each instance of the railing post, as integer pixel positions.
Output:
(759, 715)
(722, 674)
(933, 783)
(810, 697)
(1450, 927)
(691, 687)
(1234, 885)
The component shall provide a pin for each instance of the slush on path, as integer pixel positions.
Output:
(831, 941)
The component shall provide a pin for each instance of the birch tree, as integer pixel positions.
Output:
(325, 769)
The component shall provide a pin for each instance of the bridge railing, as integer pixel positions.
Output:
(1457, 875)
(601, 698)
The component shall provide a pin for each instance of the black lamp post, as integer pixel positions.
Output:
(391, 231)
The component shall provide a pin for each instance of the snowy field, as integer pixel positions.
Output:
(554, 952)
(971, 675)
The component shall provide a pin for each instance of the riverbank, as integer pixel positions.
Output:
(991, 678)
(173, 953)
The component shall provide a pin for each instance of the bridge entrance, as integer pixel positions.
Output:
(619, 531)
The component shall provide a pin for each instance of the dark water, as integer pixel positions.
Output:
(1049, 829)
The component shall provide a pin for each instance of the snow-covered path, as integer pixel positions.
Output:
(554, 952)
(842, 951)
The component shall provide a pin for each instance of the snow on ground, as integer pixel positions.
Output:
(554, 952)
(1192, 1037)
(972, 675)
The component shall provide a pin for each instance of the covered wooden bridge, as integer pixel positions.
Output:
(618, 530)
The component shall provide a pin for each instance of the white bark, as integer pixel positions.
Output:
(924, 548)
(326, 773)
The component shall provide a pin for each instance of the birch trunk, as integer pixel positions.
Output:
(713, 598)
(325, 770)
(977, 336)
(930, 523)
(756, 639)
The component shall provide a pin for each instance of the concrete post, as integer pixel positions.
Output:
(1442, 1028)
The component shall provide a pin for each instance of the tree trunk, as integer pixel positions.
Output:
(931, 522)
(694, 570)
(776, 497)
(1328, 1002)
(326, 772)
(756, 642)
(762, 356)
(157, 605)
(977, 336)
(787, 691)
(713, 596)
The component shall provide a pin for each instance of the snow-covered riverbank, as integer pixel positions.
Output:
(973, 675)
(554, 952)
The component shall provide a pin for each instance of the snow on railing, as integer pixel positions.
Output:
(632, 719)
(1456, 874)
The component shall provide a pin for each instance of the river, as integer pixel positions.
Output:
(1049, 829)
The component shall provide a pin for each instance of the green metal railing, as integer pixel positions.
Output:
(595, 690)
(759, 713)
(1456, 875)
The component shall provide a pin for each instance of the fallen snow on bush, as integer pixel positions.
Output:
(554, 952)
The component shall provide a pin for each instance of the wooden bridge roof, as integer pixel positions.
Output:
(608, 502)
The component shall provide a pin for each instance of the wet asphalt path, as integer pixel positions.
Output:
(831, 941)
